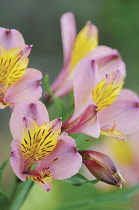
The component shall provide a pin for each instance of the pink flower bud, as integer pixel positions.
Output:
(102, 167)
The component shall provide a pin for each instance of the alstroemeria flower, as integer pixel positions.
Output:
(38, 141)
(76, 48)
(100, 105)
(16, 81)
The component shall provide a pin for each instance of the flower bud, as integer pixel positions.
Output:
(102, 167)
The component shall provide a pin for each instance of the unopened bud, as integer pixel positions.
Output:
(102, 167)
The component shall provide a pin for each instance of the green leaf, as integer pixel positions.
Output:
(68, 112)
(83, 141)
(118, 200)
(20, 194)
(4, 194)
(2, 166)
(71, 98)
(79, 179)
(47, 85)
(97, 205)
(127, 193)
(4, 200)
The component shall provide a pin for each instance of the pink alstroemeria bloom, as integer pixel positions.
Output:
(101, 107)
(16, 81)
(78, 47)
(38, 141)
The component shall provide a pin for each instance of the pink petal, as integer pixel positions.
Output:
(11, 38)
(17, 160)
(47, 185)
(41, 177)
(85, 79)
(123, 114)
(108, 60)
(63, 83)
(26, 89)
(87, 123)
(68, 32)
(25, 51)
(64, 161)
(36, 111)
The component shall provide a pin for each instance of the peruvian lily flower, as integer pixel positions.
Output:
(38, 142)
(102, 167)
(16, 81)
(100, 105)
(76, 48)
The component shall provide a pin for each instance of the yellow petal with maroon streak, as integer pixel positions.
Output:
(38, 141)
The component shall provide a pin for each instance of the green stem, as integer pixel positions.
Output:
(20, 192)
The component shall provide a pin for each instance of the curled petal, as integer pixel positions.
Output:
(84, 118)
(87, 123)
(108, 60)
(23, 89)
(68, 32)
(64, 161)
(17, 159)
(63, 82)
(112, 132)
(36, 111)
(85, 79)
(122, 115)
(11, 38)
(74, 51)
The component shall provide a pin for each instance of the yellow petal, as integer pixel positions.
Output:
(113, 133)
(42, 177)
(107, 90)
(86, 40)
(38, 141)
(12, 66)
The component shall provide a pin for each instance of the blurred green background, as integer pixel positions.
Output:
(39, 22)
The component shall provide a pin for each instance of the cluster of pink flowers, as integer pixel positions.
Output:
(101, 107)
